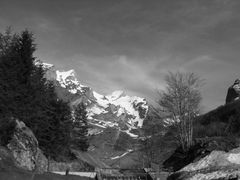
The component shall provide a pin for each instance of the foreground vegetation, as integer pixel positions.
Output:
(167, 144)
(26, 94)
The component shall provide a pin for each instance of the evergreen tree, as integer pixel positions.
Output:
(17, 63)
(80, 128)
(25, 94)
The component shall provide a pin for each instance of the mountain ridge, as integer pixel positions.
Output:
(117, 109)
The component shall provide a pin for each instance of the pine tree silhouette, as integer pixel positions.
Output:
(80, 128)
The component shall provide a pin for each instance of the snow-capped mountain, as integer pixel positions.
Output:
(115, 110)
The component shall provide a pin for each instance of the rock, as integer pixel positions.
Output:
(24, 148)
(6, 159)
(216, 165)
(233, 92)
(41, 162)
(202, 147)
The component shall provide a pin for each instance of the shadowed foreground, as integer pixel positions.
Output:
(8, 171)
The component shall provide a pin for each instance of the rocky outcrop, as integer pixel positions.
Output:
(6, 158)
(233, 92)
(24, 148)
(217, 165)
(202, 148)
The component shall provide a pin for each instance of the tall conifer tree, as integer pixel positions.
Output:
(80, 128)
(25, 94)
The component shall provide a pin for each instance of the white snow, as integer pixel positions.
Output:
(120, 111)
(127, 103)
(97, 125)
(130, 134)
(103, 124)
(234, 158)
(101, 100)
(92, 131)
(123, 104)
(83, 174)
(62, 76)
(96, 110)
(47, 66)
(68, 79)
(124, 154)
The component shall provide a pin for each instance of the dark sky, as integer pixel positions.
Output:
(131, 44)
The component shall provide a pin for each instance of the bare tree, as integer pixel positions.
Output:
(180, 101)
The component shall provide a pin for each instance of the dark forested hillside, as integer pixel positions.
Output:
(216, 130)
(223, 121)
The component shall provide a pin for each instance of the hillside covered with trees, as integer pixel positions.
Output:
(26, 95)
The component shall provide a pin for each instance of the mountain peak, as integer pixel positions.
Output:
(67, 79)
(115, 110)
(45, 66)
(62, 76)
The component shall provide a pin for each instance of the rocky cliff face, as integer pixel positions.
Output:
(24, 148)
(233, 92)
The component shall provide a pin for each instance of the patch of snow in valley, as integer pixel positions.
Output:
(103, 124)
(94, 131)
(130, 134)
(97, 125)
(82, 174)
(124, 154)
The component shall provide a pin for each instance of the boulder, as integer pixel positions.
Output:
(41, 162)
(6, 158)
(216, 165)
(24, 148)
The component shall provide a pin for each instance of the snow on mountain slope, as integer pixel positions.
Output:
(67, 79)
(128, 105)
(115, 110)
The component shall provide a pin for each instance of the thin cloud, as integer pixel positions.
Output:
(130, 45)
